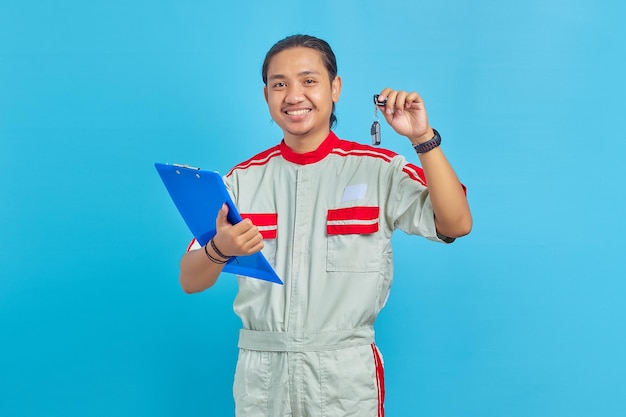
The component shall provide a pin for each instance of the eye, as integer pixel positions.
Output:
(280, 84)
(310, 81)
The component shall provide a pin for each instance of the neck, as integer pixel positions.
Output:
(305, 143)
(313, 156)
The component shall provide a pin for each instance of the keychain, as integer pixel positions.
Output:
(375, 129)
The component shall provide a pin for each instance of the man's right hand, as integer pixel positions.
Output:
(239, 239)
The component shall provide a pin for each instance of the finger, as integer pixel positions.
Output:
(222, 217)
(253, 244)
(400, 103)
(250, 234)
(382, 98)
(391, 101)
(222, 213)
(414, 100)
(247, 241)
(401, 98)
(243, 226)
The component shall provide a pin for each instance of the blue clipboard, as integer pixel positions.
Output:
(198, 196)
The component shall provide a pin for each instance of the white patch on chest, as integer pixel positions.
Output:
(354, 192)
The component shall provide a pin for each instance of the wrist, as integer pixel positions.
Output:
(217, 251)
(429, 145)
(425, 137)
(213, 258)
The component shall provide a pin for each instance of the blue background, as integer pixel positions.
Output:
(524, 317)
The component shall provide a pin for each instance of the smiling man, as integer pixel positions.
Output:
(323, 211)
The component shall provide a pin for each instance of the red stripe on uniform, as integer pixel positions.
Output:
(347, 148)
(257, 160)
(268, 234)
(378, 155)
(380, 381)
(354, 213)
(266, 222)
(357, 220)
(350, 229)
(415, 173)
(262, 219)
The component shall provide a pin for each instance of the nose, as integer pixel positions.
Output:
(295, 94)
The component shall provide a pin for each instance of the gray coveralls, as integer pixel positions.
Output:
(327, 217)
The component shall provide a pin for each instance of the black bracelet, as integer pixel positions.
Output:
(212, 259)
(428, 145)
(220, 254)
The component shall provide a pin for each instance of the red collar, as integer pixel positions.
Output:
(312, 157)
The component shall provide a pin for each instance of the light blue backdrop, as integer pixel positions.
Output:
(524, 317)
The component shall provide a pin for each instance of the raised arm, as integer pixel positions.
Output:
(406, 114)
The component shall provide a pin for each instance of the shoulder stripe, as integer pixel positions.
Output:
(257, 160)
(363, 152)
(350, 147)
(347, 148)
(415, 173)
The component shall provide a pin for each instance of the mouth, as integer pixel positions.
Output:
(299, 112)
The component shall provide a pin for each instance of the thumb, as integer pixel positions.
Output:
(222, 214)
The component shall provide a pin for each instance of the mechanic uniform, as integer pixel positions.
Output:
(327, 217)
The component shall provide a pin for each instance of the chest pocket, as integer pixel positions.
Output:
(267, 223)
(354, 243)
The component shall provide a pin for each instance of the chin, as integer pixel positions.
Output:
(301, 131)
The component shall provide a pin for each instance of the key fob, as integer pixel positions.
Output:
(379, 103)
(375, 132)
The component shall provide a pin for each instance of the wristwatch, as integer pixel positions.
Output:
(428, 145)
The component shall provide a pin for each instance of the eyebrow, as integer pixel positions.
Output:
(300, 74)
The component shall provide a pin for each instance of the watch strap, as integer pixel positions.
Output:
(428, 145)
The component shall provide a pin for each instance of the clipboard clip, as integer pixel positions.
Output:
(185, 166)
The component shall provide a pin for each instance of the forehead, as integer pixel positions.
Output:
(295, 61)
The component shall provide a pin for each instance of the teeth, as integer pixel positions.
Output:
(297, 112)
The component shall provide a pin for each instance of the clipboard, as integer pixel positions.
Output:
(198, 196)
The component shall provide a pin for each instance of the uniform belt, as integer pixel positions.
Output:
(304, 342)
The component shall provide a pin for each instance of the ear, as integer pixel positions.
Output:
(335, 87)
(265, 93)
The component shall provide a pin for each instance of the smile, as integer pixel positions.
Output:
(298, 112)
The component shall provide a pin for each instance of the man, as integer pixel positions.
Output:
(323, 211)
